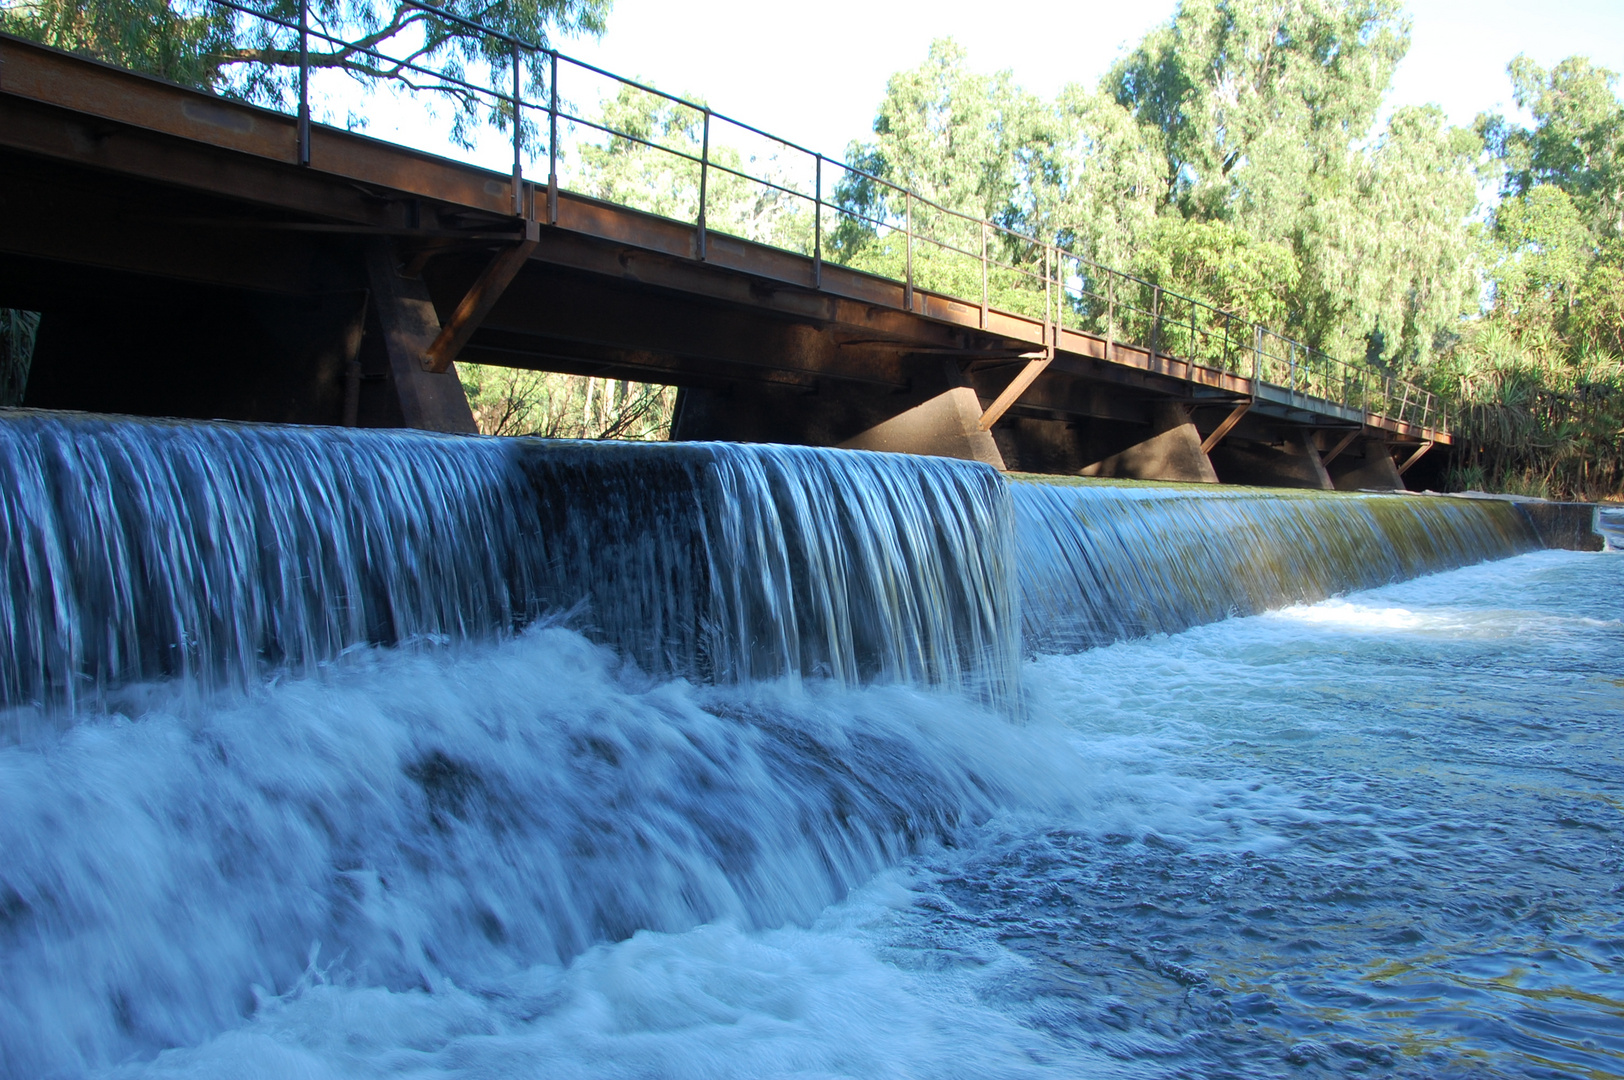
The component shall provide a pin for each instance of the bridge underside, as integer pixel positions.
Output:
(186, 266)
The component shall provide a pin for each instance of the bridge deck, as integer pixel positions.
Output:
(130, 177)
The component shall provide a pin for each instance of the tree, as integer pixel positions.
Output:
(651, 161)
(1232, 157)
(213, 47)
(1576, 143)
(1541, 377)
(513, 401)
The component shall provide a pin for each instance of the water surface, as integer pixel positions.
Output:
(1380, 834)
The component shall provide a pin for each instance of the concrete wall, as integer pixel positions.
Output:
(1292, 461)
(1171, 452)
(939, 420)
(1366, 464)
(1568, 525)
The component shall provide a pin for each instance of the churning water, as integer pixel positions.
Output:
(708, 761)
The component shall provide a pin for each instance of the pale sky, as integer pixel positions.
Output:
(814, 73)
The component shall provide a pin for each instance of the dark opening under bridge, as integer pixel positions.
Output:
(197, 256)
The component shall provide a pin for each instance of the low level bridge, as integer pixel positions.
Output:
(198, 256)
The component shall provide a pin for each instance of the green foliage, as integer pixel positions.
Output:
(1231, 157)
(176, 42)
(1540, 377)
(1256, 101)
(1221, 264)
(197, 43)
(653, 164)
(1235, 157)
(511, 401)
(1576, 143)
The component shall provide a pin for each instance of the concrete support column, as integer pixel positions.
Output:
(428, 401)
(942, 424)
(1366, 464)
(1292, 462)
(945, 426)
(1173, 452)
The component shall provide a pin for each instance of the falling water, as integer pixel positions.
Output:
(137, 550)
(1100, 563)
(698, 761)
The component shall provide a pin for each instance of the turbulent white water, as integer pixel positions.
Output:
(354, 754)
(1378, 833)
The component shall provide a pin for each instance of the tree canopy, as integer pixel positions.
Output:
(211, 46)
(1243, 154)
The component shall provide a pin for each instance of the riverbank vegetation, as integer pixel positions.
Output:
(1242, 154)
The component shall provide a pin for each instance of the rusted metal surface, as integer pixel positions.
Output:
(1345, 442)
(1017, 386)
(1416, 456)
(117, 125)
(477, 302)
(1225, 426)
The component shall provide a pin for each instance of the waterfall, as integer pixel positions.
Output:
(218, 553)
(637, 688)
(1102, 562)
(138, 550)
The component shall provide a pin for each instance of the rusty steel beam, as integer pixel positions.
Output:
(477, 302)
(1017, 386)
(1224, 428)
(1346, 441)
(1415, 457)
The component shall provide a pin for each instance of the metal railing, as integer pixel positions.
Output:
(942, 250)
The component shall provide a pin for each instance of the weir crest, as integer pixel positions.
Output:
(141, 550)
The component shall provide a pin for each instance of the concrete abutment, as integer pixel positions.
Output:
(943, 423)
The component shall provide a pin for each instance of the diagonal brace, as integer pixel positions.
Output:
(1415, 457)
(481, 297)
(1036, 362)
(1224, 428)
(1347, 440)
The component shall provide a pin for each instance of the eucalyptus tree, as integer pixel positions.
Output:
(1541, 378)
(1266, 117)
(213, 46)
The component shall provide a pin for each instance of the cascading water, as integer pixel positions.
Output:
(818, 825)
(138, 550)
(1103, 562)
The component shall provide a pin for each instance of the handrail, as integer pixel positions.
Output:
(1074, 288)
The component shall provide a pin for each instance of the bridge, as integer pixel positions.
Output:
(201, 257)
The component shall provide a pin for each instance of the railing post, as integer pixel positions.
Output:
(552, 143)
(983, 275)
(704, 171)
(1110, 310)
(907, 223)
(817, 228)
(1048, 332)
(304, 82)
(1257, 355)
(1155, 320)
(1291, 347)
(518, 136)
(1059, 300)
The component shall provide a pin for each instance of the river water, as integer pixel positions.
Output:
(1381, 834)
(349, 754)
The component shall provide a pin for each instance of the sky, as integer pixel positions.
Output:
(815, 73)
